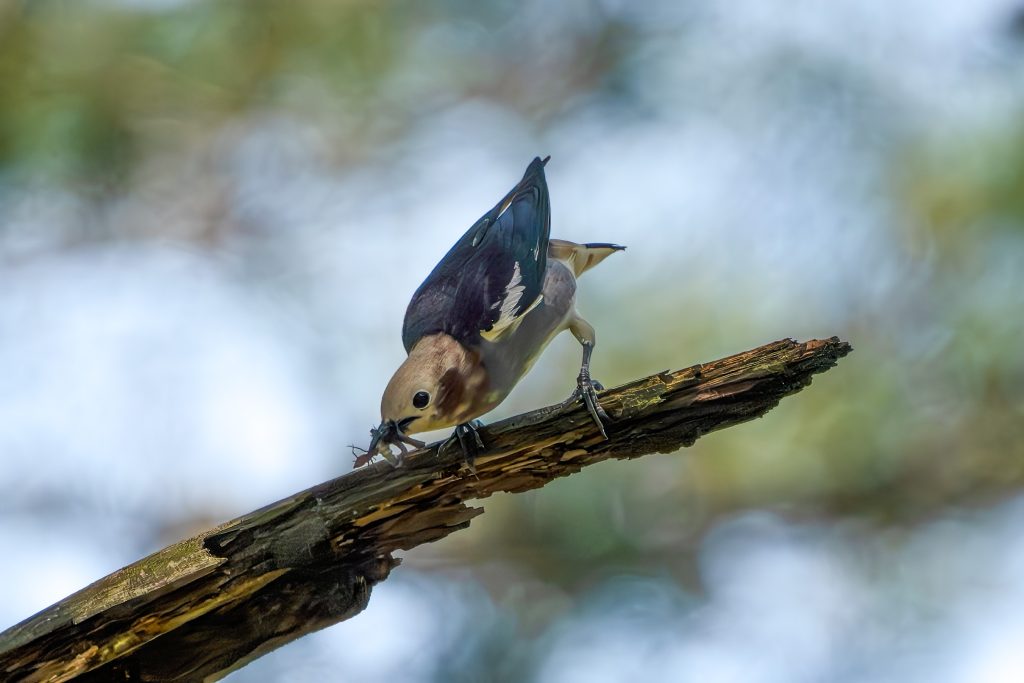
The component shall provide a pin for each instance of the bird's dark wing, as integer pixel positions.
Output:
(493, 275)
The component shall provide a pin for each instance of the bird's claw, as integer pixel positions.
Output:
(468, 437)
(586, 389)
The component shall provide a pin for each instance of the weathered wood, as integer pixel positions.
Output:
(206, 606)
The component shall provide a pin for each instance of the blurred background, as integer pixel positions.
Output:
(213, 214)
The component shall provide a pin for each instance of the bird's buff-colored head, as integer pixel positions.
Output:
(434, 388)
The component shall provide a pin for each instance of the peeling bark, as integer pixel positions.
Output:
(204, 607)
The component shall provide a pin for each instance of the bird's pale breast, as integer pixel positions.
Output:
(510, 357)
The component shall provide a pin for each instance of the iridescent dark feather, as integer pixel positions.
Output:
(493, 274)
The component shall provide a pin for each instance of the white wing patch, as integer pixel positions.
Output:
(508, 306)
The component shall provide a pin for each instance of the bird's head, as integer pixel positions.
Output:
(428, 391)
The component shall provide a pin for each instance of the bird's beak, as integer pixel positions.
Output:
(389, 434)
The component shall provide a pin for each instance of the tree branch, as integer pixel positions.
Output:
(208, 605)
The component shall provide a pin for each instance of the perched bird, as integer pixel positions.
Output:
(483, 316)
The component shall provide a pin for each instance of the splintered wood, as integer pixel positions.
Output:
(204, 607)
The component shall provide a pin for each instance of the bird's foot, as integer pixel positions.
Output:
(468, 437)
(586, 389)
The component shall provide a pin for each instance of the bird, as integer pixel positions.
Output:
(480, 319)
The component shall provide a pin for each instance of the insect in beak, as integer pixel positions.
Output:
(382, 438)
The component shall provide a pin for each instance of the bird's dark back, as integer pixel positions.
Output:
(505, 250)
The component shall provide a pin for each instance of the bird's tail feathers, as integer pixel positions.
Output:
(581, 257)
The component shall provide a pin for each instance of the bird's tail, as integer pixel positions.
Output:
(581, 257)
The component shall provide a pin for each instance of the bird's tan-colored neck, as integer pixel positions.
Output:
(463, 379)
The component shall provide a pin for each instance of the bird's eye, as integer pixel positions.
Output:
(421, 399)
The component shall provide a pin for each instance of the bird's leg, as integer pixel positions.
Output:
(587, 388)
(468, 437)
